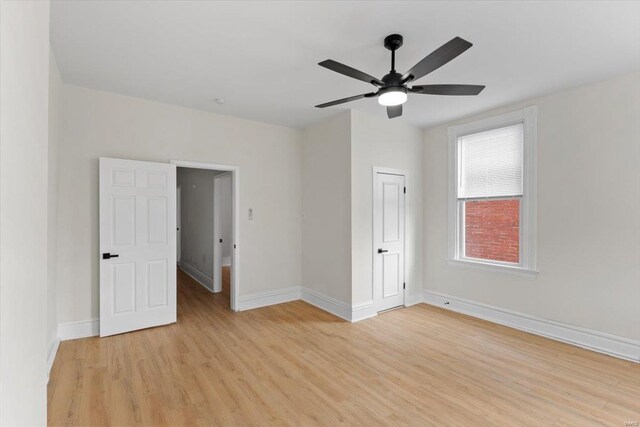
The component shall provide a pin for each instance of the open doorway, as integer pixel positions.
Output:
(207, 228)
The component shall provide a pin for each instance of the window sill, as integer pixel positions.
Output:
(494, 268)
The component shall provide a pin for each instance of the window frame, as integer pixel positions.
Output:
(528, 201)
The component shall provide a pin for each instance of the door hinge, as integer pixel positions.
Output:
(404, 286)
(405, 190)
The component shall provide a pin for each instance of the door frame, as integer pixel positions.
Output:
(235, 214)
(375, 170)
(217, 231)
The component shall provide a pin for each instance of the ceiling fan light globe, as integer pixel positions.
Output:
(392, 98)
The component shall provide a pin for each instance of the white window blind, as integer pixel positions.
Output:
(490, 163)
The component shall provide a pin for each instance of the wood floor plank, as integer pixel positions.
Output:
(293, 364)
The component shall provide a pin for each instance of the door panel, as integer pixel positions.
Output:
(157, 284)
(157, 220)
(157, 180)
(391, 275)
(390, 212)
(388, 240)
(123, 178)
(124, 287)
(137, 223)
(124, 219)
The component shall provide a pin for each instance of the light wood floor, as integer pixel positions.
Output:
(226, 281)
(293, 364)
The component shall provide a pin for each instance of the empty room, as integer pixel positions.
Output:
(319, 213)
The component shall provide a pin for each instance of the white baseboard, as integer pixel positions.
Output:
(226, 260)
(51, 356)
(197, 275)
(367, 309)
(81, 329)
(363, 311)
(263, 299)
(612, 345)
(328, 304)
(348, 312)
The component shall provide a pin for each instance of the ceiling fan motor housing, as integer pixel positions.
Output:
(393, 42)
(392, 79)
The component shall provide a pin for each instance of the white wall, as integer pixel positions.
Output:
(381, 142)
(55, 103)
(196, 191)
(588, 214)
(102, 124)
(226, 212)
(326, 208)
(24, 89)
(337, 203)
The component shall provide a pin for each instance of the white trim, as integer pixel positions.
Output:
(493, 268)
(345, 311)
(51, 356)
(197, 275)
(375, 170)
(218, 259)
(328, 304)
(81, 329)
(528, 202)
(264, 299)
(363, 311)
(217, 255)
(612, 345)
(226, 261)
(235, 202)
(178, 221)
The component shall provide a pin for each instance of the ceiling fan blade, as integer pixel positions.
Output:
(394, 111)
(343, 100)
(437, 59)
(447, 89)
(350, 72)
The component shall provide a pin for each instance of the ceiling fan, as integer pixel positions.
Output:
(392, 89)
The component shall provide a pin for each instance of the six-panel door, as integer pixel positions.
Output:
(137, 245)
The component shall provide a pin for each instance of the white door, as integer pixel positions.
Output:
(178, 225)
(388, 241)
(137, 245)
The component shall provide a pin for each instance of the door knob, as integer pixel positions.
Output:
(382, 250)
(107, 255)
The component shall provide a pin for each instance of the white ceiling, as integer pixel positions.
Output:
(261, 57)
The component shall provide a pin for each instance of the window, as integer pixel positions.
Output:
(492, 193)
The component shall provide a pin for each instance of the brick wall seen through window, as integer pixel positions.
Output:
(492, 229)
